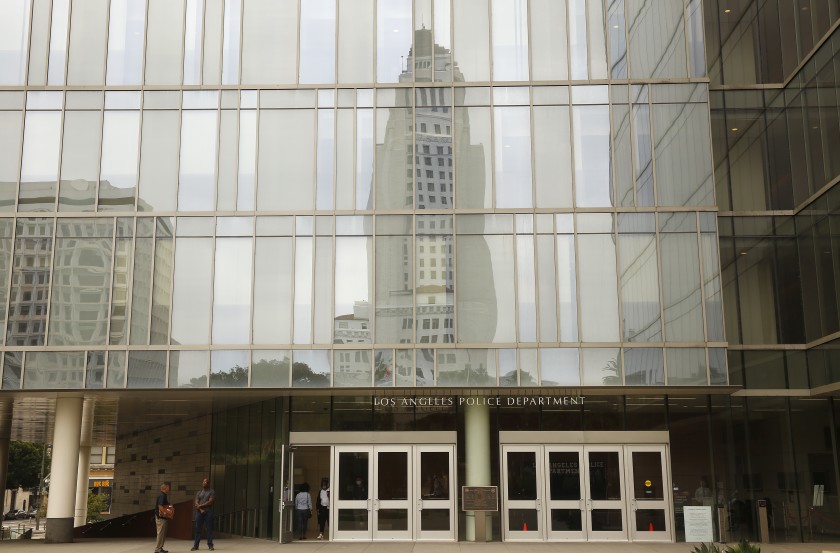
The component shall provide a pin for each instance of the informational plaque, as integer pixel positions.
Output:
(480, 498)
(698, 524)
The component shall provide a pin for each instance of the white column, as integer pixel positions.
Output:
(5, 438)
(84, 463)
(64, 469)
(477, 449)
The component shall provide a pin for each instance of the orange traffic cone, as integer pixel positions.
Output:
(650, 527)
(524, 526)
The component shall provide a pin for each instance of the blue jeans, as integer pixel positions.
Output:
(204, 519)
(302, 516)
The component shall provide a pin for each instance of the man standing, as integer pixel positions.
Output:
(160, 522)
(203, 506)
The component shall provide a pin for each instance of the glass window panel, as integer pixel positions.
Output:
(577, 40)
(162, 289)
(247, 160)
(591, 129)
(598, 291)
(311, 369)
(617, 28)
(513, 157)
(192, 292)
(425, 364)
(547, 288)
(188, 369)
(118, 176)
(12, 369)
(683, 154)
(95, 370)
(643, 367)
(30, 282)
(526, 294)
(323, 319)
(286, 159)
(231, 42)
(164, 42)
(6, 228)
(711, 287)
(639, 288)
(394, 167)
(657, 39)
(352, 294)
(273, 286)
(681, 287)
(473, 158)
(141, 288)
(601, 366)
(364, 158)
(442, 37)
(510, 40)
(123, 274)
(552, 156)
(472, 40)
(345, 159)
(79, 309)
(229, 368)
(393, 40)
(567, 288)
(303, 291)
(197, 179)
(686, 366)
(193, 30)
(383, 368)
(434, 284)
(79, 160)
(696, 46)
(355, 41)
(421, 62)
(271, 368)
(14, 28)
(622, 173)
(125, 42)
(394, 303)
(404, 368)
(159, 161)
(549, 49)
(39, 43)
(232, 291)
(559, 367)
(54, 370)
(269, 41)
(317, 41)
(325, 171)
(146, 369)
(597, 40)
(643, 160)
(352, 368)
(116, 369)
(88, 25)
(59, 26)
(486, 299)
(39, 165)
(228, 139)
(10, 127)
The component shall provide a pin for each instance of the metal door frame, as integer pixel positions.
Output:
(665, 503)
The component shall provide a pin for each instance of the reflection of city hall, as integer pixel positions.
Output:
(460, 259)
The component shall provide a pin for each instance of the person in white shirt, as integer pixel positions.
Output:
(323, 507)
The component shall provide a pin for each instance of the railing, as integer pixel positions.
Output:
(20, 532)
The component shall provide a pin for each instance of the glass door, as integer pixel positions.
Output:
(435, 492)
(523, 472)
(565, 497)
(650, 499)
(392, 493)
(605, 502)
(351, 509)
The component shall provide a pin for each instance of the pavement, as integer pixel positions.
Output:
(248, 545)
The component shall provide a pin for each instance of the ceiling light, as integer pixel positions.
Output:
(734, 129)
(727, 11)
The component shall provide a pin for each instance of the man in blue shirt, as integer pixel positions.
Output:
(203, 506)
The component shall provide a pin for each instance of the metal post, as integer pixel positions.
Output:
(40, 481)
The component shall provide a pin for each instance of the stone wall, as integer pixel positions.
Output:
(178, 453)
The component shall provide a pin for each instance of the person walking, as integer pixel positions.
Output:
(323, 507)
(203, 506)
(161, 523)
(303, 509)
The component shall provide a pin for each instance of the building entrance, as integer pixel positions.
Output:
(586, 492)
(393, 492)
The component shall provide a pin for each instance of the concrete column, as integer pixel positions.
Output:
(84, 463)
(5, 438)
(64, 469)
(477, 448)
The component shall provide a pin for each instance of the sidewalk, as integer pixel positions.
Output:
(246, 545)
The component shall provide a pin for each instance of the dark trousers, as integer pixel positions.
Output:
(204, 519)
(302, 516)
(323, 517)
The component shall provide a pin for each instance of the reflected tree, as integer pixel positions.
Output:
(613, 373)
(304, 377)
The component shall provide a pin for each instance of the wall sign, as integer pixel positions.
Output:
(461, 401)
(698, 524)
(480, 498)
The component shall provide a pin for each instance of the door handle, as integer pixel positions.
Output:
(538, 504)
(419, 504)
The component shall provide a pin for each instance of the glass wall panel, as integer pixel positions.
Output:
(271, 368)
(117, 365)
(162, 283)
(39, 43)
(394, 162)
(123, 276)
(597, 40)
(193, 291)
(232, 291)
(644, 367)
(286, 159)
(617, 27)
(229, 368)
(79, 303)
(526, 293)
(622, 173)
(559, 367)
(6, 229)
(14, 28)
(231, 41)
(59, 27)
(303, 290)
(683, 154)
(639, 288)
(567, 288)
(591, 129)
(120, 150)
(394, 302)
(547, 289)
(46, 370)
(355, 41)
(88, 26)
(510, 40)
(345, 170)
(472, 40)
(686, 366)
(657, 39)
(228, 154)
(323, 320)
(12, 369)
(552, 156)
(79, 160)
(325, 170)
(245, 194)
(273, 286)
(188, 369)
(269, 41)
(197, 167)
(29, 294)
(193, 30)
(434, 280)
(486, 297)
(159, 161)
(681, 287)
(364, 158)
(311, 369)
(164, 42)
(712, 297)
(39, 165)
(10, 127)
(577, 40)
(126, 27)
(598, 288)
(95, 370)
(513, 157)
(601, 366)
(353, 289)
(141, 292)
(643, 158)
(352, 368)
(317, 41)
(549, 48)
(393, 39)
(473, 158)
(146, 369)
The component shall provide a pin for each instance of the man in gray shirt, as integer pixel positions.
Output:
(203, 506)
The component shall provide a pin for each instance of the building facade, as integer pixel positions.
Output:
(575, 253)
